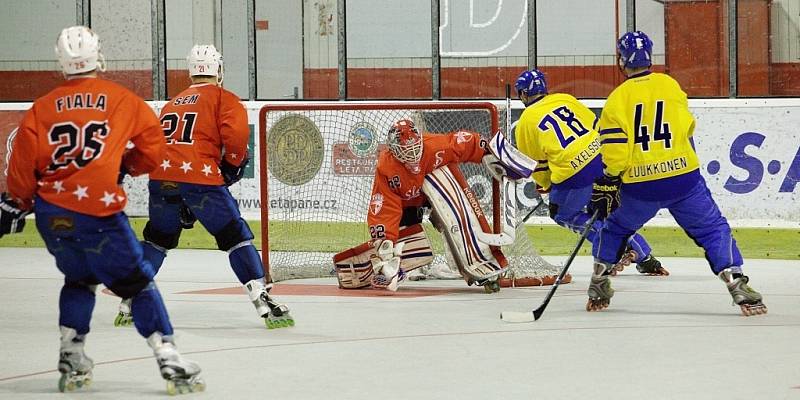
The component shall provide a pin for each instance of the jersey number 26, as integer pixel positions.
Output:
(76, 145)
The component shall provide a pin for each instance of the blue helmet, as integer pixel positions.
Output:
(636, 50)
(531, 83)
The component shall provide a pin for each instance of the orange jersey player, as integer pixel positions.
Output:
(65, 164)
(197, 123)
(401, 170)
(207, 132)
(70, 145)
(421, 171)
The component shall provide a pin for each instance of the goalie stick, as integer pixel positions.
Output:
(530, 316)
(508, 187)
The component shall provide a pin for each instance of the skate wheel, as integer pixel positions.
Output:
(491, 287)
(278, 323)
(597, 305)
(749, 310)
(183, 387)
(62, 383)
(123, 320)
(69, 382)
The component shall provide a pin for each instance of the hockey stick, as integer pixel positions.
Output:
(530, 213)
(530, 316)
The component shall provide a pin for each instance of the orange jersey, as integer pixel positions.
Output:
(199, 123)
(395, 187)
(70, 145)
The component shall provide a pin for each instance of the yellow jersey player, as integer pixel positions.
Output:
(650, 163)
(559, 132)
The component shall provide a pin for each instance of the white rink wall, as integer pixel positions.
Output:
(749, 152)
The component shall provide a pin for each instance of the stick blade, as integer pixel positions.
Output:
(516, 316)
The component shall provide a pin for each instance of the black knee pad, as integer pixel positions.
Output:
(235, 232)
(411, 216)
(164, 240)
(130, 285)
(553, 208)
(88, 284)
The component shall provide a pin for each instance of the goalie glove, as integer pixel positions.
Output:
(386, 265)
(231, 173)
(503, 159)
(12, 218)
(605, 196)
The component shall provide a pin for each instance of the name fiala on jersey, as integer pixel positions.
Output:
(81, 101)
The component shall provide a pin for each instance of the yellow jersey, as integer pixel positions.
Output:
(645, 130)
(559, 132)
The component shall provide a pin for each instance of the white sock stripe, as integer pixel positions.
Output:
(240, 245)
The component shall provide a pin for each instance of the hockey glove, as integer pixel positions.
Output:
(12, 218)
(605, 196)
(231, 173)
(499, 170)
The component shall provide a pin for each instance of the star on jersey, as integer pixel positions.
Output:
(207, 169)
(58, 186)
(186, 166)
(165, 164)
(80, 192)
(234, 155)
(108, 198)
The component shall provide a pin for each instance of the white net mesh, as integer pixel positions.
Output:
(320, 164)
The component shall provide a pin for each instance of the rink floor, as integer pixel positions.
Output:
(676, 337)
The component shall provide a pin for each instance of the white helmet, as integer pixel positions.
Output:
(205, 60)
(78, 51)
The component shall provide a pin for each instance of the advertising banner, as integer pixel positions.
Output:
(749, 152)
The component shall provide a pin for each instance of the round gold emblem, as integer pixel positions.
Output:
(295, 150)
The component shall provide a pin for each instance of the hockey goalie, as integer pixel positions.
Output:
(420, 171)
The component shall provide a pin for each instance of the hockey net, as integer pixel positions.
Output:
(317, 167)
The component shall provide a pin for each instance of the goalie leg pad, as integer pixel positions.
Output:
(417, 251)
(457, 215)
(353, 266)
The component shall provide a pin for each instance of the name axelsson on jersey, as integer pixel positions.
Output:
(585, 155)
(662, 167)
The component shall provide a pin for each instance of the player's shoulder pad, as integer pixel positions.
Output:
(385, 161)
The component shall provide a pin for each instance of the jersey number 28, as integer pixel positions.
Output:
(566, 117)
